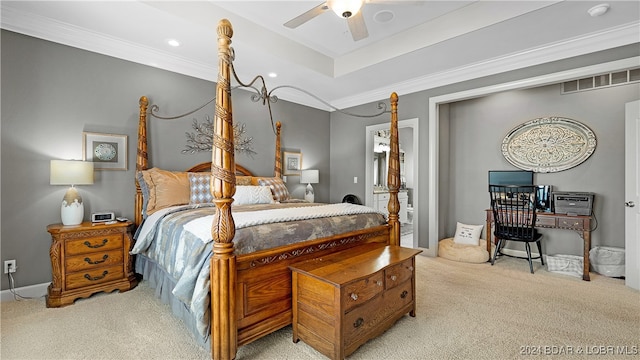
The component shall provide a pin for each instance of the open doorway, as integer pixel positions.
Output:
(375, 181)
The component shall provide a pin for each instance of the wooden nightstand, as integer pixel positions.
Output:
(89, 258)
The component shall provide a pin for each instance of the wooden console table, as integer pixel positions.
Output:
(580, 223)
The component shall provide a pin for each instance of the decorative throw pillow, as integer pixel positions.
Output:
(200, 192)
(278, 188)
(162, 188)
(249, 195)
(467, 234)
(243, 180)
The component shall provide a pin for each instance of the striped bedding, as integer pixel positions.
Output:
(178, 240)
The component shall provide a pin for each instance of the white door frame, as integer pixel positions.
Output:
(434, 124)
(368, 189)
(632, 194)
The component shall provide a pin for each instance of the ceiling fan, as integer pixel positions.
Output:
(348, 9)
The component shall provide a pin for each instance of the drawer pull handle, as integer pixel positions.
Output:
(104, 242)
(404, 294)
(379, 283)
(104, 258)
(410, 268)
(359, 321)
(94, 278)
(393, 278)
(354, 296)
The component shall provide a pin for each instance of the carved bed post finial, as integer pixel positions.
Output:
(142, 158)
(277, 170)
(393, 177)
(224, 331)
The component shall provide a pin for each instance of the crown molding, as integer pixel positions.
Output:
(588, 43)
(67, 34)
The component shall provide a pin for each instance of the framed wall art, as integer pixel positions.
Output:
(291, 163)
(549, 144)
(106, 151)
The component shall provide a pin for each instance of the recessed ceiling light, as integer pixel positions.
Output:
(173, 42)
(598, 10)
(272, 75)
(383, 16)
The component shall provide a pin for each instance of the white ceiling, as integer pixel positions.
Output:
(427, 43)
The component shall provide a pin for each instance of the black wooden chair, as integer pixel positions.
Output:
(514, 215)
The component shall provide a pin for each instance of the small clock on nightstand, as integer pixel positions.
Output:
(89, 258)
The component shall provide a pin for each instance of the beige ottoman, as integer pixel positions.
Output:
(464, 253)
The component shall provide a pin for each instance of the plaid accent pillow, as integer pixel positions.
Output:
(278, 188)
(200, 192)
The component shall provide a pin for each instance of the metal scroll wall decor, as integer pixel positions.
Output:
(202, 138)
(548, 144)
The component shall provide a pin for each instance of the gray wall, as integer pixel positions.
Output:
(479, 126)
(347, 141)
(52, 93)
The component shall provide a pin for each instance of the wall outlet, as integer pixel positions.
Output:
(10, 265)
(355, 179)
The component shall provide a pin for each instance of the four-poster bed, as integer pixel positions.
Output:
(250, 290)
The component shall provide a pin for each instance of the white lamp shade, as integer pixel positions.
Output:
(71, 172)
(309, 176)
(345, 8)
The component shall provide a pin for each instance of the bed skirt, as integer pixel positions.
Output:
(163, 284)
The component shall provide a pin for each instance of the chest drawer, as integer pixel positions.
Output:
(94, 244)
(94, 277)
(398, 273)
(93, 260)
(361, 321)
(361, 291)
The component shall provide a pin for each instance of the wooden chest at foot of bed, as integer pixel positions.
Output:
(342, 300)
(89, 258)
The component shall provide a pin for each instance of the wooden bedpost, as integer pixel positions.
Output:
(277, 168)
(142, 158)
(393, 177)
(224, 330)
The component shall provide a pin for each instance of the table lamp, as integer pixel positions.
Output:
(71, 172)
(309, 177)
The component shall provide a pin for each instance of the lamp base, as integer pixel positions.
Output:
(72, 209)
(308, 194)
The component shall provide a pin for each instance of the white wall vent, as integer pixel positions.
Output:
(603, 80)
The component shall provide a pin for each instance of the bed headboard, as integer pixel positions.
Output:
(142, 157)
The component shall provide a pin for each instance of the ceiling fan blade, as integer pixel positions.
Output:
(357, 27)
(303, 18)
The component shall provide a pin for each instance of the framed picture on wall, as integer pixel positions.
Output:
(106, 151)
(291, 163)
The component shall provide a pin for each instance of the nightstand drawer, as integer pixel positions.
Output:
(93, 260)
(94, 277)
(94, 244)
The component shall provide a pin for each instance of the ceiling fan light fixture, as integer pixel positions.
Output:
(345, 8)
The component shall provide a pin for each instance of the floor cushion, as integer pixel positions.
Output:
(448, 249)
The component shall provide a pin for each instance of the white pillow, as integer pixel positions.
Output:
(248, 195)
(468, 234)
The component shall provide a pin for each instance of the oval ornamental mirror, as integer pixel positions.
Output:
(548, 144)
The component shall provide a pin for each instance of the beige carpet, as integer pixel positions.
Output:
(465, 311)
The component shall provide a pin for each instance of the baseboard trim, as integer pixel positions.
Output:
(31, 291)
